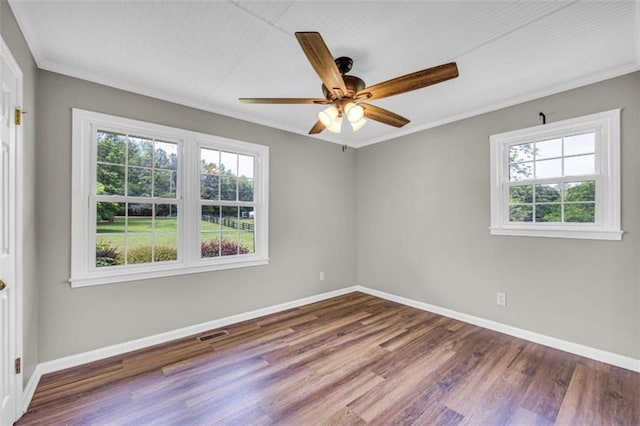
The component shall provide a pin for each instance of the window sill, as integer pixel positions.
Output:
(159, 272)
(557, 232)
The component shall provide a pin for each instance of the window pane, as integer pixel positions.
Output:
(210, 245)
(519, 194)
(580, 191)
(110, 217)
(139, 233)
(548, 168)
(229, 163)
(110, 231)
(164, 184)
(551, 148)
(246, 218)
(520, 171)
(117, 241)
(210, 219)
(245, 189)
(166, 218)
(111, 147)
(209, 187)
(140, 152)
(520, 213)
(139, 248)
(229, 244)
(546, 193)
(210, 226)
(139, 218)
(166, 156)
(139, 182)
(247, 242)
(580, 144)
(165, 248)
(229, 217)
(230, 224)
(109, 250)
(580, 213)
(246, 228)
(109, 180)
(522, 152)
(582, 165)
(548, 213)
(209, 160)
(245, 166)
(228, 187)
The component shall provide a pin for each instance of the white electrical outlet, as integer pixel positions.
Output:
(321, 276)
(501, 299)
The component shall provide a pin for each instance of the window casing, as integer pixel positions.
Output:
(558, 180)
(146, 202)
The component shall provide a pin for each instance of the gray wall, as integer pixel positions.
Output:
(312, 228)
(12, 36)
(423, 217)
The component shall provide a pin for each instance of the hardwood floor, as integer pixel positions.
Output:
(353, 359)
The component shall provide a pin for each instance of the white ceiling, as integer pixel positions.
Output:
(206, 54)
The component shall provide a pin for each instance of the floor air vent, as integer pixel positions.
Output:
(214, 335)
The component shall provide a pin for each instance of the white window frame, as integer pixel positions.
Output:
(606, 126)
(83, 222)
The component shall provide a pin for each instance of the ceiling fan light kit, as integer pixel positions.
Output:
(346, 94)
(354, 112)
(331, 118)
(336, 125)
(328, 115)
(357, 125)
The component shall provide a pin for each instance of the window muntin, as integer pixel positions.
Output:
(559, 180)
(567, 202)
(560, 177)
(567, 156)
(136, 233)
(136, 197)
(163, 201)
(226, 203)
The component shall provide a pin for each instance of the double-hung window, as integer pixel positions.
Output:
(227, 205)
(558, 180)
(151, 200)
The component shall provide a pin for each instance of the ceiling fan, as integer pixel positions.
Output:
(346, 94)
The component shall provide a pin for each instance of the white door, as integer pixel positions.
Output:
(10, 380)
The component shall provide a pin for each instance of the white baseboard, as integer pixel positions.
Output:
(30, 388)
(121, 348)
(132, 345)
(552, 342)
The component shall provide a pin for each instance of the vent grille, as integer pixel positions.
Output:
(214, 335)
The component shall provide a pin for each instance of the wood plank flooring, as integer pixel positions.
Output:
(353, 359)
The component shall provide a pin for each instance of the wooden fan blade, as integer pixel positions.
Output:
(317, 128)
(322, 62)
(384, 116)
(283, 101)
(409, 82)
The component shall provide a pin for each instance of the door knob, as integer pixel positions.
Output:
(2, 285)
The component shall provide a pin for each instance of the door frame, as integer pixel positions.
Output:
(18, 175)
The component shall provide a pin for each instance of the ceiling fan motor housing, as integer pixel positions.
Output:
(354, 84)
(344, 64)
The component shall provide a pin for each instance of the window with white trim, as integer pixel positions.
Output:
(151, 201)
(558, 180)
